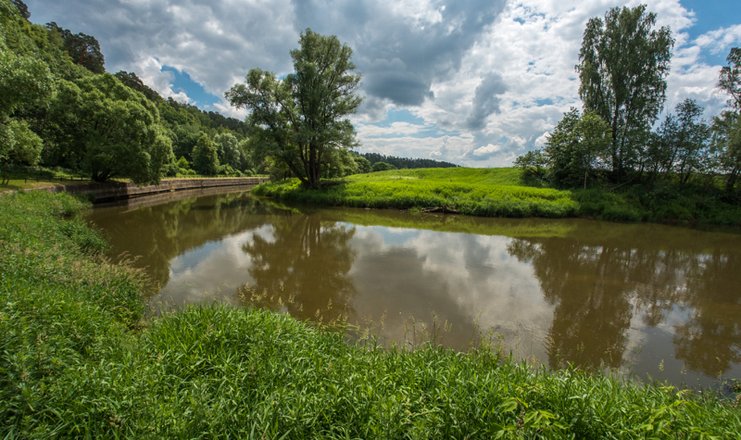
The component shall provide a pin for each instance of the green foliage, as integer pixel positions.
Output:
(83, 49)
(500, 192)
(684, 140)
(730, 77)
(382, 166)
(205, 156)
(406, 162)
(18, 145)
(726, 131)
(623, 64)
(133, 81)
(108, 130)
(484, 192)
(24, 82)
(577, 148)
(22, 8)
(726, 145)
(305, 114)
(228, 150)
(74, 363)
(183, 167)
(534, 166)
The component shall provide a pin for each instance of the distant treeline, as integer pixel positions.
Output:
(405, 162)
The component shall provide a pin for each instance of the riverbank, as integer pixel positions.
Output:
(114, 190)
(78, 360)
(500, 192)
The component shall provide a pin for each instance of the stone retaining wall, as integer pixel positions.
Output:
(110, 191)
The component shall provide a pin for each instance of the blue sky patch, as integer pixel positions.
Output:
(709, 16)
(182, 82)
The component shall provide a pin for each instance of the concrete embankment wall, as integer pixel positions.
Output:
(110, 191)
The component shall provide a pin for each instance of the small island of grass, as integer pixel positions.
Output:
(503, 192)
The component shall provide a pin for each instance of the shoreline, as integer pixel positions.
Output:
(116, 191)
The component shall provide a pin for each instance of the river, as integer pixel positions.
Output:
(650, 301)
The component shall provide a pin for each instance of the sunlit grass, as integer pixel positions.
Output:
(483, 192)
(501, 192)
(76, 360)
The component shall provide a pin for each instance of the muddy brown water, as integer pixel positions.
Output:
(651, 301)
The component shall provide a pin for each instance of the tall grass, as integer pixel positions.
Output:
(490, 192)
(501, 192)
(76, 360)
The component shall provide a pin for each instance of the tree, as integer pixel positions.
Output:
(305, 114)
(22, 8)
(534, 165)
(726, 141)
(82, 48)
(691, 139)
(623, 64)
(133, 81)
(205, 156)
(24, 82)
(101, 127)
(18, 145)
(382, 166)
(228, 150)
(727, 126)
(661, 153)
(730, 77)
(577, 147)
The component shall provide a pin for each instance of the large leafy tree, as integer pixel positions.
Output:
(100, 126)
(304, 114)
(691, 139)
(623, 64)
(24, 82)
(205, 156)
(577, 147)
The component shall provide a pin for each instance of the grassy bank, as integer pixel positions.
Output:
(500, 192)
(77, 360)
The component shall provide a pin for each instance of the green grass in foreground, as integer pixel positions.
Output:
(500, 192)
(76, 360)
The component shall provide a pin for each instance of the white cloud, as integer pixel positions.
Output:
(486, 150)
(149, 70)
(720, 41)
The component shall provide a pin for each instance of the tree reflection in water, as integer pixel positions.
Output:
(606, 295)
(600, 284)
(154, 235)
(303, 269)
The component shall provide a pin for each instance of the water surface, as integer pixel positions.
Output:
(649, 300)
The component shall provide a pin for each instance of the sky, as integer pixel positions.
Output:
(473, 82)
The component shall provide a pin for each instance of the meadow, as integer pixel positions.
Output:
(79, 359)
(502, 192)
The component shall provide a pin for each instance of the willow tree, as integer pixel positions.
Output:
(305, 114)
(623, 64)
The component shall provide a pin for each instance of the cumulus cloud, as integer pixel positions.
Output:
(149, 70)
(485, 152)
(486, 100)
(402, 48)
